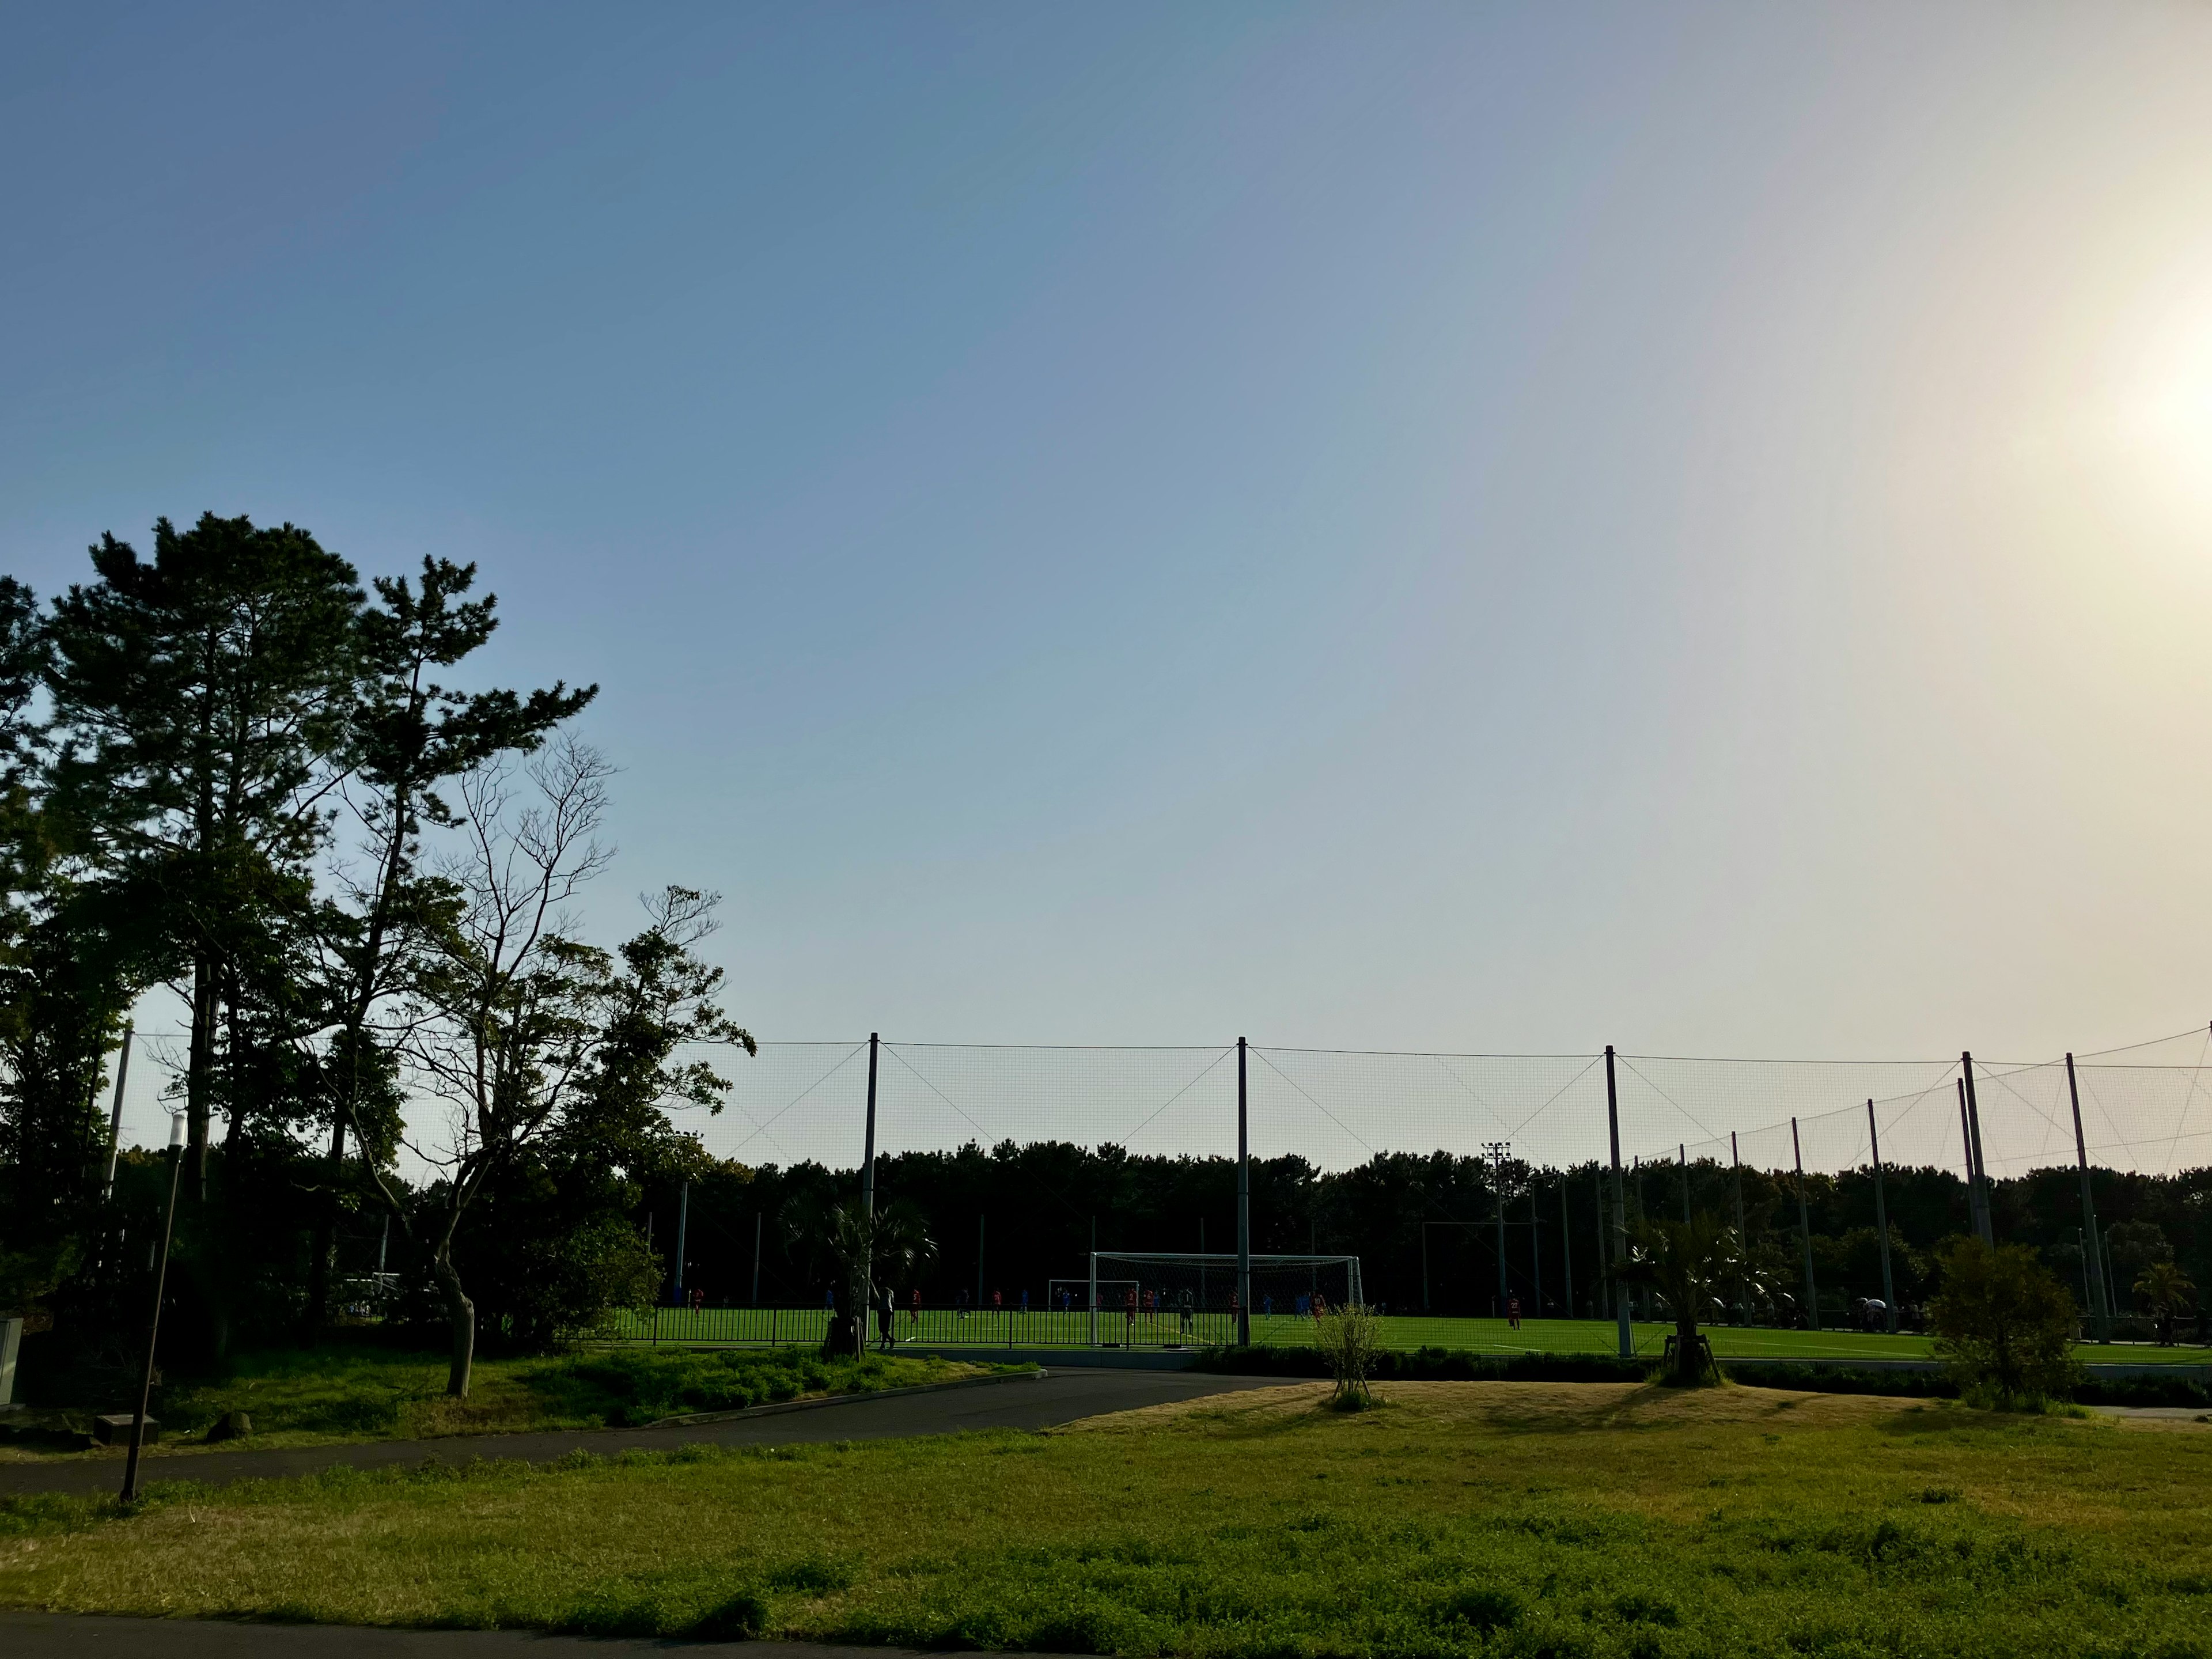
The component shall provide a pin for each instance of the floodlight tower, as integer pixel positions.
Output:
(1498, 1149)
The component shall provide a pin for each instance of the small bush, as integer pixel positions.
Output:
(1349, 1339)
(740, 1617)
(2004, 1324)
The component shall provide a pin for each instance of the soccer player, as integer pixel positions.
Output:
(1129, 1318)
(1513, 1311)
(1187, 1310)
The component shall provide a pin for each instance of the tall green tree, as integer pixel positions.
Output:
(61, 996)
(409, 734)
(207, 694)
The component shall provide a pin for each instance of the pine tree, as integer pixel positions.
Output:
(206, 695)
(409, 734)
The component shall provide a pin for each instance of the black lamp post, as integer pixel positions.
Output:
(154, 1325)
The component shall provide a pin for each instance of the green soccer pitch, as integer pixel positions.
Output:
(1046, 1329)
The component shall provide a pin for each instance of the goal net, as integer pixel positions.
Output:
(1169, 1299)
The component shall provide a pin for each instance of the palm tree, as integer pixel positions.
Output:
(891, 1245)
(2168, 1291)
(1689, 1263)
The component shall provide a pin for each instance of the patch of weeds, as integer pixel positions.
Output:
(737, 1617)
(812, 1576)
(47, 1515)
(1639, 1608)
(1484, 1608)
(649, 1611)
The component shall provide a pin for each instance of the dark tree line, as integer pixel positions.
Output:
(230, 768)
(1015, 1216)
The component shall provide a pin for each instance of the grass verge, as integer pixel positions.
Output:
(1526, 1519)
(322, 1397)
(2181, 1388)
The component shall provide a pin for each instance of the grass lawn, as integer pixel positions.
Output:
(1035, 1327)
(1457, 1518)
(318, 1396)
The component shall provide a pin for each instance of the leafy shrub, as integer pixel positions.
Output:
(2004, 1325)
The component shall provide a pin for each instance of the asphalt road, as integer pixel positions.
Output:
(1022, 1402)
(64, 1636)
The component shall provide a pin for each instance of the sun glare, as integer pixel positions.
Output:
(2169, 421)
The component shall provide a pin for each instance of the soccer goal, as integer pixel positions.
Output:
(1171, 1299)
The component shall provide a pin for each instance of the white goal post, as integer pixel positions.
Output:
(1169, 1293)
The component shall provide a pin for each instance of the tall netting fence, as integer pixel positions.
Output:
(1467, 1186)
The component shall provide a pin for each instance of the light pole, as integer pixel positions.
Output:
(154, 1325)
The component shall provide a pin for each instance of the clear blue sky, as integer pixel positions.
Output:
(1470, 527)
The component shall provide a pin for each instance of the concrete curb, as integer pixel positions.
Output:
(700, 1419)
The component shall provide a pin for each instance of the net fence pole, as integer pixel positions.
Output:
(1805, 1234)
(115, 1118)
(759, 1217)
(1682, 1156)
(1243, 1208)
(1619, 1210)
(868, 1286)
(2111, 1282)
(1967, 1150)
(1094, 1281)
(868, 1147)
(1567, 1251)
(1536, 1249)
(1604, 1279)
(1881, 1219)
(683, 1236)
(1496, 1150)
(1974, 1133)
(1742, 1234)
(2093, 1268)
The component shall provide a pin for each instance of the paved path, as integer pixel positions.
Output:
(64, 1636)
(2156, 1413)
(1017, 1403)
